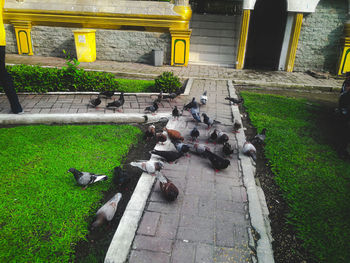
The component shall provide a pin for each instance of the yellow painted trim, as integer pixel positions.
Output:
(99, 20)
(243, 39)
(23, 37)
(344, 61)
(293, 43)
(180, 47)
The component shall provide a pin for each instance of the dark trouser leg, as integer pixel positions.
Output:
(7, 83)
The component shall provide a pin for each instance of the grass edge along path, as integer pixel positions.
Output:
(43, 212)
(313, 180)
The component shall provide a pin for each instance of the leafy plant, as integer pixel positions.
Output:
(168, 82)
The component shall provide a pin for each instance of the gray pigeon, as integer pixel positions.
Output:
(249, 150)
(150, 167)
(107, 211)
(86, 178)
(260, 137)
(195, 114)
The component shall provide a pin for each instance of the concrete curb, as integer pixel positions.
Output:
(257, 204)
(120, 246)
(73, 118)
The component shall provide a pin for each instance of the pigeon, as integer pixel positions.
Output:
(120, 176)
(152, 108)
(222, 137)
(208, 121)
(169, 156)
(170, 96)
(234, 101)
(217, 162)
(259, 138)
(174, 134)
(204, 98)
(192, 104)
(214, 135)
(161, 137)
(236, 126)
(107, 211)
(160, 96)
(227, 149)
(117, 103)
(181, 147)
(194, 134)
(195, 114)
(150, 132)
(95, 102)
(199, 149)
(175, 112)
(249, 150)
(107, 93)
(86, 178)
(168, 189)
(150, 167)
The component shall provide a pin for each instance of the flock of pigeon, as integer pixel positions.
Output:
(155, 165)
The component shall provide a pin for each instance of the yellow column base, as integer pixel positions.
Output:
(180, 46)
(23, 37)
(293, 44)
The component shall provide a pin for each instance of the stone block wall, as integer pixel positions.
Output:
(117, 45)
(320, 37)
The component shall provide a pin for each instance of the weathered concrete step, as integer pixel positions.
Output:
(211, 58)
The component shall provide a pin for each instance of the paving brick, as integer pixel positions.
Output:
(224, 254)
(166, 208)
(144, 256)
(152, 243)
(183, 252)
(196, 234)
(167, 226)
(149, 223)
(204, 253)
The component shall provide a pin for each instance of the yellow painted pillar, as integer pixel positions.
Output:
(293, 43)
(242, 46)
(344, 63)
(23, 37)
(180, 46)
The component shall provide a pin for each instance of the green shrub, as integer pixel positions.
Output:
(167, 82)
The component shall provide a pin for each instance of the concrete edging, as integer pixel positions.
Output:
(257, 204)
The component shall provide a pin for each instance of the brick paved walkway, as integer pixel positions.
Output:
(209, 220)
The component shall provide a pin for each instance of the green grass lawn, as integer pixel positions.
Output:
(136, 85)
(43, 212)
(314, 181)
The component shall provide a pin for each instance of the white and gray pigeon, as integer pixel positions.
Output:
(195, 114)
(86, 178)
(199, 148)
(150, 167)
(107, 211)
(204, 98)
(249, 150)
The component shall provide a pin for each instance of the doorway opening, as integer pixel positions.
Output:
(266, 32)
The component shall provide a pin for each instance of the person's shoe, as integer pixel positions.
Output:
(20, 112)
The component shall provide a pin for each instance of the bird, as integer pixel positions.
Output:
(234, 101)
(227, 149)
(236, 126)
(86, 178)
(107, 211)
(120, 177)
(160, 96)
(107, 93)
(161, 137)
(153, 108)
(168, 189)
(195, 114)
(217, 162)
(174, 134)
(199, 149)
(117, 103)
(204, 98)
(169, 156)
(208, 121)
(260, 137)
(194, 134)
(181, 147)
(95, 102)
(222, 137)
(214, 135)
(191, 104)
(175, 113)
(150, 132)
(249, 150)
(150, 167)
(170, 96)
